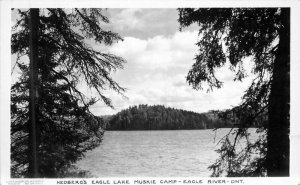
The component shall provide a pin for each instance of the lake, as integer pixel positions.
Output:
(172, 153)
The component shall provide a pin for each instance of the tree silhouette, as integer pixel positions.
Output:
(232, 34)
(159, 117)
(65, 128)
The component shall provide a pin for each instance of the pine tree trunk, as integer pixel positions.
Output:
(279, 125)
(33, 145)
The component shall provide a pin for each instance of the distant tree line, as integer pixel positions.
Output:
(159, 117)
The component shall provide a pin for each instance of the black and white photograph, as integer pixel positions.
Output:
(152, 92)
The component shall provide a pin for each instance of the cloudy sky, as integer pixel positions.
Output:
(159, 57)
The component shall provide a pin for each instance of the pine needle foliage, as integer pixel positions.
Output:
(66, 127)
(229, 35)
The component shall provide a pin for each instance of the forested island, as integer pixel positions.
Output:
(56, 52)
(159, 117)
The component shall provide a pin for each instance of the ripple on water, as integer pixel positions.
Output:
(184, 153)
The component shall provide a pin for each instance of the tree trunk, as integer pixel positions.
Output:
(278, 153)
(33, 135)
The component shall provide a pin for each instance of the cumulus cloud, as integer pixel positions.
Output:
(127, 19)
(158, 60)
(155, 73)
(145, 22)
(152, 53)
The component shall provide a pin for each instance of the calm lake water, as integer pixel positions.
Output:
(180, 153)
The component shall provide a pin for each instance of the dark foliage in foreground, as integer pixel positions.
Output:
(66, 128)
(263, 35)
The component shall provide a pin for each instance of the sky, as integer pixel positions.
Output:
(159, 57)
